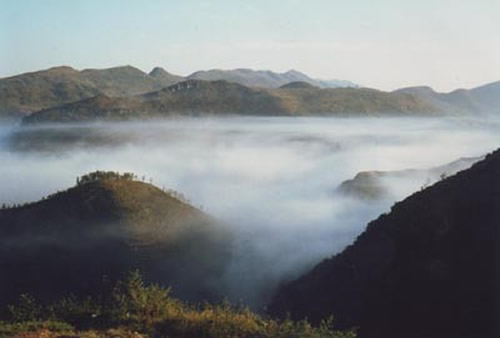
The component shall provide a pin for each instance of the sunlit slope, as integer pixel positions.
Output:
(125, 92)
(482, 99)
(429, 268)
(29, 92)
(103, 229)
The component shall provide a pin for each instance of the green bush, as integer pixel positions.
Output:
(9, 329)
(134, 306)
(27, 309)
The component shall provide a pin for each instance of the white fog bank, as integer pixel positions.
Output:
(273, 180)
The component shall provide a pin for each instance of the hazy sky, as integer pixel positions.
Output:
(383, 44)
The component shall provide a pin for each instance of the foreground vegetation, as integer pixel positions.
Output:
(133, 309)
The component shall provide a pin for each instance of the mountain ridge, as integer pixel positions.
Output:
(369, 185)
(28, 93)
(264, 78)
(199, 97)
(482, 99)
(428, 268)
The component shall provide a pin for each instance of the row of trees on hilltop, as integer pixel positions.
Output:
(12, 206)
(104, 176)
(101, 175)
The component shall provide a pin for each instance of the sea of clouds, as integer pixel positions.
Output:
(273, 180)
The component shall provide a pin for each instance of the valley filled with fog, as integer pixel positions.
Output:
(273, 181)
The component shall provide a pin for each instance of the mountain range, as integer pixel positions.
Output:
(480, 99)
(428, 268)
(65, 94)
(265, 78)
(199, 97)
(26, 93)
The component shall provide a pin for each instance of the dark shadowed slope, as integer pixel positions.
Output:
(196, 97)
(100, 107)
(297, 85)
(429, 268)
(103, 229)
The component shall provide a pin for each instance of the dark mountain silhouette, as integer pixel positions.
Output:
(196, 97)
(165, 78)
(371, 185)
(102, 229)
(429, 268)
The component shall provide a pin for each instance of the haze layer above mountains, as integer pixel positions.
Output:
(122, 93)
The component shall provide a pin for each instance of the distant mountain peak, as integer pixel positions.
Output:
(124, 68)
(158, 72)
(61, 69)
(163, 77)
(242, 70)
(419, 88)
(294, 72)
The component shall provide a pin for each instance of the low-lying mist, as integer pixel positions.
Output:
(274, 180)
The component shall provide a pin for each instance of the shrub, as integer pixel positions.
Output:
(134, 306)
(27, 309)
(9, 329)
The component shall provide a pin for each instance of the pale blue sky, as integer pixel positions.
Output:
(384, 44)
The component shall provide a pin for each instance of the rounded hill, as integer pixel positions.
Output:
(104, 227)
